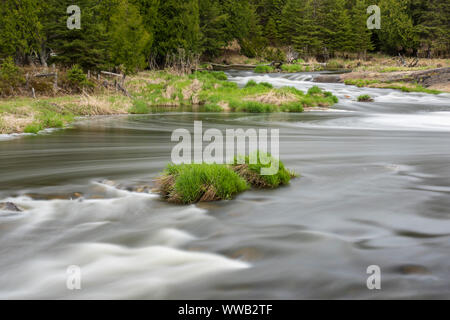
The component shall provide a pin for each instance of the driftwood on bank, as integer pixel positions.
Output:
(118, 85)
(223, 67)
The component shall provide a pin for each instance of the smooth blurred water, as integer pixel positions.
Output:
(374, 190)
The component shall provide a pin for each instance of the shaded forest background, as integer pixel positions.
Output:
(135, 34)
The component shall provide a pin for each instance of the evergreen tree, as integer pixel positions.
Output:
(361, 35)
(177, 27)
(397, 33)
(87, 46)
(20, 29)
(128, 38)
(213, 26)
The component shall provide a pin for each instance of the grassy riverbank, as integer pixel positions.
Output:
(210, 91)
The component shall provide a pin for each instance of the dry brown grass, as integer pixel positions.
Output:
(275, 98)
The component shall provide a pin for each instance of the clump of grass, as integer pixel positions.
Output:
(220, 75)
(139, 107)
(186, 184)
(253, 83)
(405, 87)
(251, 172)
(292, 68)
(264, 69)
(253, 107)
(361, 82)
(365, 98)
(211, 108)
(192, 183)
(314, 90)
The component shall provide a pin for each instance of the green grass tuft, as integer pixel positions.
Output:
(264, 69)
(186, 184)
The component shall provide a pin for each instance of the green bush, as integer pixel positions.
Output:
(77, 78)
(11, 77)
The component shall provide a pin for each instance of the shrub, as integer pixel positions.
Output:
(11, 77)
(77, 78)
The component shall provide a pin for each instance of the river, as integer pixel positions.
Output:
(374, 190)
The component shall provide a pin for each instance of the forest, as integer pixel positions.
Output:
(137, 34)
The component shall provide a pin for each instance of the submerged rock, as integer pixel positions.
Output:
(9, 206)
(328, 78)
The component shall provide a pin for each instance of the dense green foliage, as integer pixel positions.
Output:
(129, 34)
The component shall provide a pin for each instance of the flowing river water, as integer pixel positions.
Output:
(374, 190)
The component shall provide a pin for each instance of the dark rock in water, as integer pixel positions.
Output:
(413, 269)
(328, 78)
(9, 206)
(66, 196)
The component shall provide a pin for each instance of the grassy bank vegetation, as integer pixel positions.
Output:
(214, 93)
(208, 90)
(398, 85)
(187, 184)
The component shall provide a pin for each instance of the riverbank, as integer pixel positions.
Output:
(208, 91)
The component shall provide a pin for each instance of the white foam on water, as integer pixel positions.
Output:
(149, 269)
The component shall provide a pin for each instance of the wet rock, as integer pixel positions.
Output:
(413, 269)
(328, 78)
(9, 206)
(247, 254)
(47, 197)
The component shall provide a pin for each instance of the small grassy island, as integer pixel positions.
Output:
(193, 183)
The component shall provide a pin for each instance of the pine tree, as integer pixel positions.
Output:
(337, 29)
(87, 46)
(177, 27)
(397, 33)
(308, 29)
(361, 35)
(213, 26)
(128, 38)
(20, 29)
